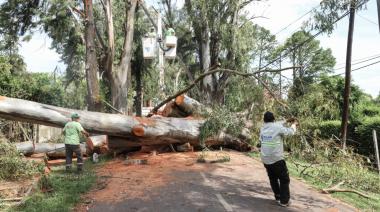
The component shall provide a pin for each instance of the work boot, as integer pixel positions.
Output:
(80, 168)
(68, 168)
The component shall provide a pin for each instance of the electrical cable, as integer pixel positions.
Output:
(371, 64)
(358, 62)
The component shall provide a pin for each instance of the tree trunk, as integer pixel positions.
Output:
(94, 103)
(119, 87)
(54, 150)
(57, 150)
(188, 104)
(135, 130)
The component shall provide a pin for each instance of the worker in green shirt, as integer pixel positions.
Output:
(72, 132)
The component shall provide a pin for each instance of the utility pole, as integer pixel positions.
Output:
(161, 65)
(347, 85)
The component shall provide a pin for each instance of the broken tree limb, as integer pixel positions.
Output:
(337, 189)
(213, 70)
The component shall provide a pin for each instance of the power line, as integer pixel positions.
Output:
(304, 42)
(309, 39)
(295, 21)
(358, 62)
(367, 19)
(360, 59)
(371, 64)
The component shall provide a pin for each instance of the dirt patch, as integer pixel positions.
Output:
(118, 182)
(16, 189)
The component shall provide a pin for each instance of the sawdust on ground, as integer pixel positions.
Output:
(117, 181)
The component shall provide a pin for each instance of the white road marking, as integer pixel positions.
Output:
(204, 177)
(224, 203)
(219, 196)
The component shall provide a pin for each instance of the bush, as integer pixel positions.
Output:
(13, 165)
(329, 128)
(364, 132)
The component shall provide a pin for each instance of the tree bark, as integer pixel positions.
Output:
(119, 89)
(94, 103)
(187, 104)
(57, 150)
(136, 131)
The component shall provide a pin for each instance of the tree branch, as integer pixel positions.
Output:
(99, 38)
(337, 189)
(214, 70)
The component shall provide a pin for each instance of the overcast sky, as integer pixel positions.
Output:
(280, 13)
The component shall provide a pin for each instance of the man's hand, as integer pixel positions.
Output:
(86, 133)
(292, 121)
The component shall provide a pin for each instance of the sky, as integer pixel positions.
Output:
(39, 57)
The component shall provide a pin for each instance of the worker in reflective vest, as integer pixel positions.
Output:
(272, 155)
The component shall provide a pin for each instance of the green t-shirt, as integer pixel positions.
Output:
(72, 132)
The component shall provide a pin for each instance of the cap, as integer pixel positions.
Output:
(74, 116)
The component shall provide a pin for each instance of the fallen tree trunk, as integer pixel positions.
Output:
(57, 150)
(188, 104)
(135, 131)
(183, 106)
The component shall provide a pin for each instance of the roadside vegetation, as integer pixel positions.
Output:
(59, 191)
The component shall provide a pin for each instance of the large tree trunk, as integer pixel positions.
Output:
(135, 130)
(54, 150)
(120, 73)
(91, 60)
(57, 150)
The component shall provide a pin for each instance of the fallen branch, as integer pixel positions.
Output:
(112, 107)
(337, 189)
(214, 70)
(11, 199)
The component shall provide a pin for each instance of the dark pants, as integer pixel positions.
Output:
(70, 149)
(279, 180)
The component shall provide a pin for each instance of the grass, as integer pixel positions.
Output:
(318, 178)
(62, 190)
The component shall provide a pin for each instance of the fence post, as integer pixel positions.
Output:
(376, 150)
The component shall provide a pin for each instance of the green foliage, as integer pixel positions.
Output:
(329, 128)
(313, 59)
(220, 119)
(13, 165)
(38, 87)
(364, 132)
(329, 11)
(242, 94)
(66, 190)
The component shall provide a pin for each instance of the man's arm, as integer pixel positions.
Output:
(83, 131)
(286, 131)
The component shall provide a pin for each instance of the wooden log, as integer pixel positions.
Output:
(110, 124)
(56, 150)
(172, 110)
(187, 104)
